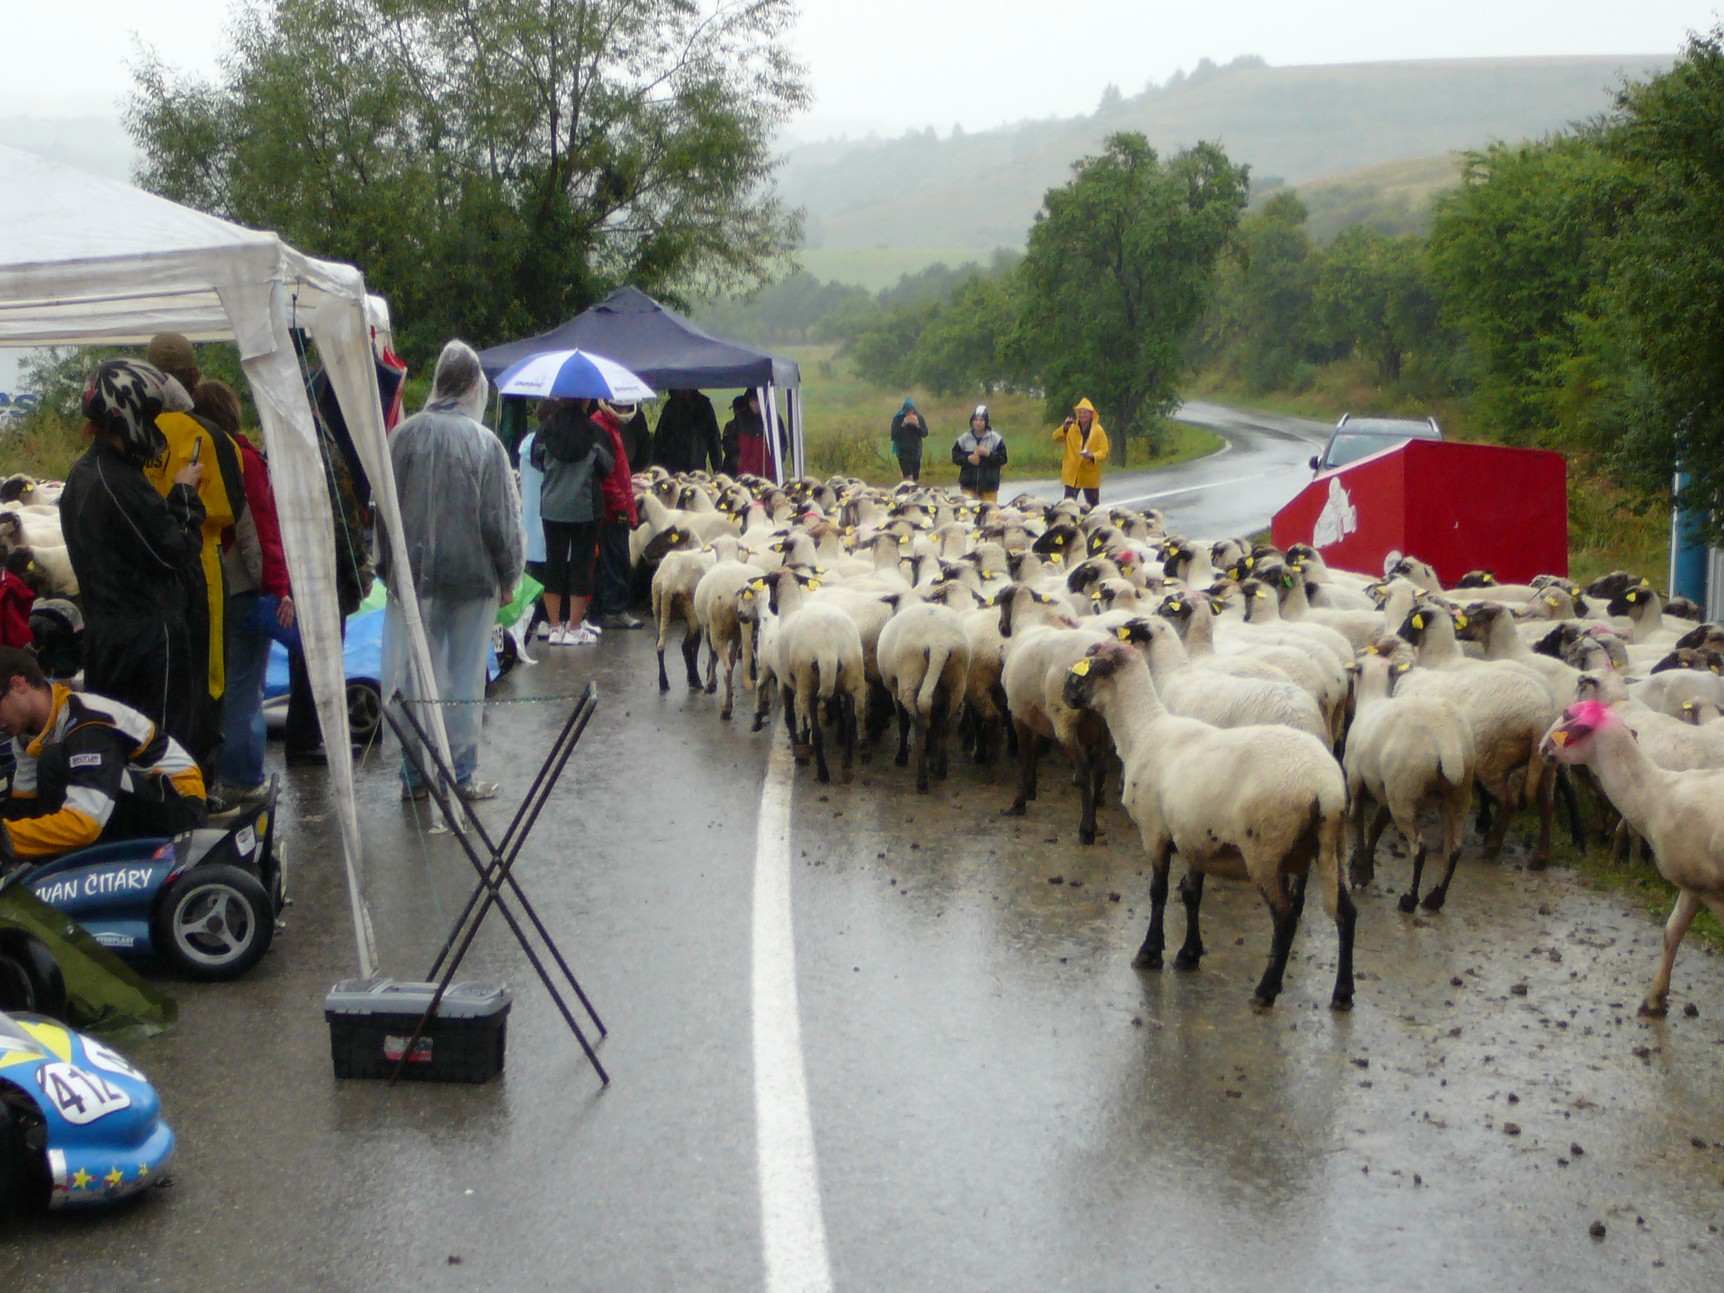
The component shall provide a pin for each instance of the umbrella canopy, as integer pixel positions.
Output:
(572, 375)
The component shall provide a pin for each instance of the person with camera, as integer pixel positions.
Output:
(1085, 451)
(909, 430)
(980, 454)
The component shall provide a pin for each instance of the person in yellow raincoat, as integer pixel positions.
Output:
(1086, 450)
(222, 490)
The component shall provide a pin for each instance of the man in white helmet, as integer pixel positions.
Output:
(461, 521)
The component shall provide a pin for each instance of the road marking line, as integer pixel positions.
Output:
(791, 1221)
(1196, 489)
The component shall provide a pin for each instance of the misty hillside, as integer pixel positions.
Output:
(1295, 124)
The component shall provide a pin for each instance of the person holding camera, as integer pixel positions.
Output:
(980, 454)
(1086, 450)
(909, 429)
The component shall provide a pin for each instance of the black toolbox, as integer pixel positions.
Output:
(371, 1020)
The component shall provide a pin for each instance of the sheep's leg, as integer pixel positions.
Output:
(1499, 828)
(1486, 802)
(1086, 794)
(902, 758)
(1362, 869)
(1191, 894)
(729, 679)
(711, 664)
(1675, 929)
(762, 705)
(1006, 725)
(941, 728)
(1027, 743)
(1571, 805)
(1410, 899)
(880, 703)
(1149, 955)
(1454, 828)
(798, 747)
(1346, 918)
(1286, 920)
(817, 729)
(847, 732)
(691, 657)
(924, 738)
(1541, 780)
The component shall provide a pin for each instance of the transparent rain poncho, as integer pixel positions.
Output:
(459, 510)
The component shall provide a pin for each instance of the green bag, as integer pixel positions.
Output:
(526, 593)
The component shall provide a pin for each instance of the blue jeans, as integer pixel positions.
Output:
(459, 635)
(251, 627)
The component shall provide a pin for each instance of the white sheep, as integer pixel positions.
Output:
(1681, 814)
(715, 611)
(818, 662)
(1280, 820)
(1406, 753)
(924, 656)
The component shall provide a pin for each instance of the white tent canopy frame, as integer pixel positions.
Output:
(88, 261)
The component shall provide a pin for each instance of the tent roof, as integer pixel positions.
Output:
(660, 346)
(90, 260)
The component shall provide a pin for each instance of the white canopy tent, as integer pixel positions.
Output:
(88, 261)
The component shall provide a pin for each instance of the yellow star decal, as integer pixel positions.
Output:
(114, 1177)
(81, 1179)
(143, 1170)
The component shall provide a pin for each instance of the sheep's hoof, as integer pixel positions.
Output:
(1187, 960)
(823, 776)
(1018, 809)
(711, 688)
(1434, 900)
(1261, 1004)
(1409, 901)
(663, 683)
(1146, 960)
(922, 786)
(694, 684)
(759, 725)
(1359, 877)
(1650, 1009)
(901, 760)
(1085, 836)
(1341, 1001)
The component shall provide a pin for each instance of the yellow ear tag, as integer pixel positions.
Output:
(1559, 738)
(1552, 602)
(1404, 667)
(1124, 633)
(1372, 649)
(1460, 621)
(1250, 562)
(1632, 598)
(1418, 621)
(1095, 596)
(1176, 607)
(813, 583)
(748, 594)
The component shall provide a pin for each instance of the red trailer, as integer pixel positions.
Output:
(1458, 506)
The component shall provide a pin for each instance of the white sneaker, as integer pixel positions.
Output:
(581, 637)
(589, 627)
(559, 635)
(544, 629)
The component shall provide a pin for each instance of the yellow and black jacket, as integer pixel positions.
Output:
(95, 759)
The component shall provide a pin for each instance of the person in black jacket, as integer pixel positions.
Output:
(687, 435)
(131, 548)
(909, 429)
(980, 454)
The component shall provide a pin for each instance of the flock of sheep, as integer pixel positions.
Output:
(30, 538)
(1327, 703)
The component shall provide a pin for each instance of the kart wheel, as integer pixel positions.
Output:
(30, 978)
(214, 922)
(23, 1169)
(364, 711)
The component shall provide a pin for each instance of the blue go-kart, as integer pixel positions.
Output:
(205, 902)
(79, 1126)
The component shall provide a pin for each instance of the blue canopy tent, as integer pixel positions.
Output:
(671, 353)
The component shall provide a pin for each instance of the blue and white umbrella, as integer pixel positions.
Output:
(573, 375)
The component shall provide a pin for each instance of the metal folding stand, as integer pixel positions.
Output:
(497, 871)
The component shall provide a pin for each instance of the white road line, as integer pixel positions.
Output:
(791, 1222)
(1197, 489)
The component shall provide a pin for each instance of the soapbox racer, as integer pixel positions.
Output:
(204, 901)
(79, 1126)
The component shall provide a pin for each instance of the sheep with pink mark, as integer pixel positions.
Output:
(1680, 814)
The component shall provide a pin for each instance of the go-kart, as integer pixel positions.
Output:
(204, 901)
(78, 1125)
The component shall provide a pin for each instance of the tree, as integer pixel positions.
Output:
(1372, 298)
(1276, 276)
(1120, 266)
(1514, 252)
(959, 350)
(1666, 286)
(492, 165)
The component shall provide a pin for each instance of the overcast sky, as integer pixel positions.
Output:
(890, 65)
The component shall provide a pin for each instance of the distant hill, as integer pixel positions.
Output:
(1393, 197)
(1293, 124)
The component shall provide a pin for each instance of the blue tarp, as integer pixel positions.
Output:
(659, 345)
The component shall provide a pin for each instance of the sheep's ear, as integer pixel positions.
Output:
(1352, 666)
(1403, 668)
(1553, 601)
(812, 583)
(1123, 633)
(1095, 595)
(1082, 667)
(1460, 619)
(1215, 608)
(1419, 622)
(892, 600)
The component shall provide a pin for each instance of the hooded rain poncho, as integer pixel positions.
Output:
(1076, 471)
(459, 509)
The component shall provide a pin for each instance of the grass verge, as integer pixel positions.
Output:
(1635, 880)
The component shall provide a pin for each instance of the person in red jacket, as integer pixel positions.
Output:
(619, 518)
(259, 607)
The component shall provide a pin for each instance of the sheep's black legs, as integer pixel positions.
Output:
(923, 738)
(902, 758)
(1086, 779)
(1435, 899)
(940, 732)
(1286, 918)
(1149, 955)
(1363, 867)
(691, 657)
(663, 677)
(1346, 916)
(1191, 894)
(817, 731)
(1571, 804)
(847, 732)
(1027, 743)
(1410, 899)
(1486, 802)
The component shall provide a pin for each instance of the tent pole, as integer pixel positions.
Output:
(798, 451)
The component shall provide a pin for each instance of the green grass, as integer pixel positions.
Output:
(45, 445)
(876, 268)
(847, 421)
(1637, 881)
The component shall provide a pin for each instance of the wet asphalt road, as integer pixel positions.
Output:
(997, 1099)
